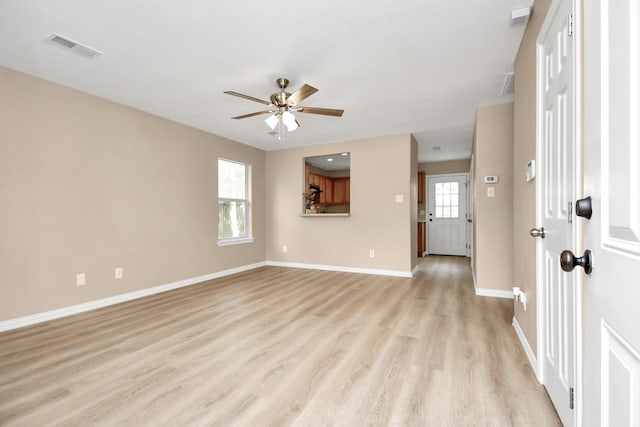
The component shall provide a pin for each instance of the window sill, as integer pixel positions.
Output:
(231, 242)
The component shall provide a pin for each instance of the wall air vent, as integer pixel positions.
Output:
(73, 46)
(507, 86)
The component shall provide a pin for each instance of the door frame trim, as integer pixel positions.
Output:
(577, 124)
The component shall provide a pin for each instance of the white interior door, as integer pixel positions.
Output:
(612, 178)
(555, 195)
(447, 229)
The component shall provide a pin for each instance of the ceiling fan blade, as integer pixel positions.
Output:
(253, 114)
(301, 94)
(250, 98)
(323, 111)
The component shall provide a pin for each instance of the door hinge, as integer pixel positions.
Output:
(570, 29)
(571, 397)
(570, 212)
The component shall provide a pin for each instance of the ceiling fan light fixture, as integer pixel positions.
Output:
(290, 121)
(272, 121)
(282, 104)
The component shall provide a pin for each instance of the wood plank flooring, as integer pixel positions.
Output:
(280, 347)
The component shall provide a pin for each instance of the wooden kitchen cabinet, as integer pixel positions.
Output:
(422, 241)
(335, 191)
(338, 191)
(347, 191)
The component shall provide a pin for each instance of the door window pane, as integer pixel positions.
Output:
(447, 200)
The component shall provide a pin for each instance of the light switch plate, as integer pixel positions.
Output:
(399, 198)
(491, 192)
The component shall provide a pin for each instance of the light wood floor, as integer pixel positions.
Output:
(279, 347)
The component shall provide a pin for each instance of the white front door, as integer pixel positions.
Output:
(447, 229)
(555, 195)
(611, 365)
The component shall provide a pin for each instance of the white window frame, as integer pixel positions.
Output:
(248, 238)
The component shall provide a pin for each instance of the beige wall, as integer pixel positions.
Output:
(493, 216)
(449, 166)
(88, 185)
(378, 173)
(524, 198)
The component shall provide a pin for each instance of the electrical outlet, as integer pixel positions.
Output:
(284, 249)
(81, 279)
(372, 254)
(119, 272)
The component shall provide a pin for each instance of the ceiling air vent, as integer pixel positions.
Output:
(507, 86)
(73, 46)
(437, 148)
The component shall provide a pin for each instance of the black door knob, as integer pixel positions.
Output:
(583, 207)
(568, 261)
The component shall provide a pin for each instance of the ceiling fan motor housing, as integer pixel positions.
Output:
(279, 99)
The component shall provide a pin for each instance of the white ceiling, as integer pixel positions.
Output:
(419, 66)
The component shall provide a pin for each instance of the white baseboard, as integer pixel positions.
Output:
(496, 293)
(526, 347)
(92, 305)
(379, 272)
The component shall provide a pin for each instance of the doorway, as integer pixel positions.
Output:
(447, 214)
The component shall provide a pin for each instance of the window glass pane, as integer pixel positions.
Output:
(231, 180)
(447, 200)
(231, 219)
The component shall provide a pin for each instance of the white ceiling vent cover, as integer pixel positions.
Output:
(72, 46)
(507, 86)
(437, 148)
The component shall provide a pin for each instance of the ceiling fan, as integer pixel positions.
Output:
(283, 104)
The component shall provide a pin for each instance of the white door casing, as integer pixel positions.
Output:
(611, 368)
(555, 194)
(470, 202)
(446, 214)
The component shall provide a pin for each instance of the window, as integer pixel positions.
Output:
(447, 203)
(233, 203)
